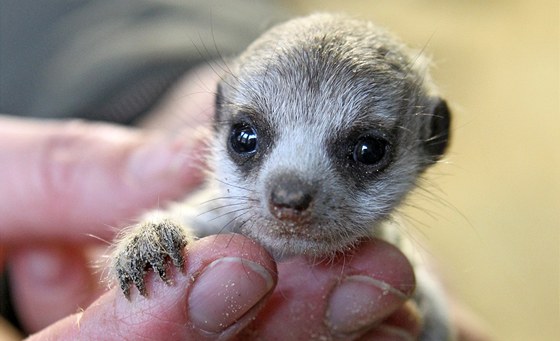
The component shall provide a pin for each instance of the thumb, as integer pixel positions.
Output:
(227, 281)
(68, 178)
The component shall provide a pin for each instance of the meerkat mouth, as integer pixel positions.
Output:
(284, 239)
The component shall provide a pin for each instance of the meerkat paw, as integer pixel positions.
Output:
(148, 245)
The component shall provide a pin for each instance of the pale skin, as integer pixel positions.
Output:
(63, 182)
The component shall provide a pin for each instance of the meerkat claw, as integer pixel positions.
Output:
(150, 246)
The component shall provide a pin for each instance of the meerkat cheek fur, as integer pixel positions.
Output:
(322, 126)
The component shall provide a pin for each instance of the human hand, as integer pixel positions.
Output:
(92, 173)
(64, 182)
(229, 278)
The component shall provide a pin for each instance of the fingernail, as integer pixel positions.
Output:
(226, 290)
(164, 158)
(360, 302)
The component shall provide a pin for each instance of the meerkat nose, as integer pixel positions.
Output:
(291, 197)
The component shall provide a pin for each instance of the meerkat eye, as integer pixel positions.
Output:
(243, 138)
(372, 151)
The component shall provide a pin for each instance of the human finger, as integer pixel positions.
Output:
(226, 281)
(50, 281)
(338, 300)
(68, 179)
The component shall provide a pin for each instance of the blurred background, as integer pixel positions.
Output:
(494, 225)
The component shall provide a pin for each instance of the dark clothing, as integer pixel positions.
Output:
(113, 59)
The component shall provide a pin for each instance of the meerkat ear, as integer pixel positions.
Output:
(438, 136)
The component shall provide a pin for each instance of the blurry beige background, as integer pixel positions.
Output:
(496, 229)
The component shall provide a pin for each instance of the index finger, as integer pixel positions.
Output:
(70, 178)
(337, 300)
(227, 280)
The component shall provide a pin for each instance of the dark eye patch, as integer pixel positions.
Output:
(372, 150)
(361, 155)
(248, 140)
(243, 139)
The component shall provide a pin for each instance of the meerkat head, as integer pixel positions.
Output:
(322, 126)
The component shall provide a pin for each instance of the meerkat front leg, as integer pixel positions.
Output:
(153, 243)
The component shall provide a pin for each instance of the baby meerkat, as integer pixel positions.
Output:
(322, 126)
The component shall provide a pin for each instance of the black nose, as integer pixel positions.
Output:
(290, 197)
